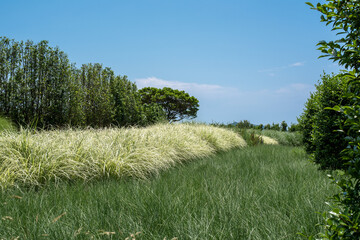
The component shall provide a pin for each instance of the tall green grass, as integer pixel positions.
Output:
(257, 193)
(6, 125)
(268, 136)
(284, 138)
(28, 158)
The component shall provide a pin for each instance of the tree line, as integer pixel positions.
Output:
(283, 126)
(40, 87)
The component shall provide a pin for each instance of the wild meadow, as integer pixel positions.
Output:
(263, 192)
(167, 181)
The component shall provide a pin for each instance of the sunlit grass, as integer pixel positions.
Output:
(6, 125)
(263, 192)
(35, 158)
(268, 140)
(284, 138)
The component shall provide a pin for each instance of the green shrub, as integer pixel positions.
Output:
(284, 126)
(343, 221)
(294, 127)
(319, 125)
(244, 124)
(250, 136)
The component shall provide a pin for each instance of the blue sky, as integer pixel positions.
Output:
(253, 60)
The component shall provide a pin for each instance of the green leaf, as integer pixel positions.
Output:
(310, 4)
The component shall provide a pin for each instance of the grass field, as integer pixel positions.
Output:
(263, 192)
(35, 158)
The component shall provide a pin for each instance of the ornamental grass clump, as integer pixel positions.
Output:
(35, 158)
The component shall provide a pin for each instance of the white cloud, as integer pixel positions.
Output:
(196, 89)
(297, 64)
(277, 69)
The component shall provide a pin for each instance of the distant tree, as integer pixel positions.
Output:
(275, 127)
(284, 126)
(177, 105)
(244, 124)
(294, 127)
(39, 87)
(260, 126)
(267, 127)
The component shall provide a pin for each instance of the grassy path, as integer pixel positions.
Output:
(265, 192)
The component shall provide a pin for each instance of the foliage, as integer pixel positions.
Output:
(294, 127)
(244, 124)
(128, 109)
(153, 113)
(284, 126)
(34, 82)
(344, 220)
(275, 126)
(319, 125)
(41, 88)
(98, 105)
(250, 137)
(177, 104)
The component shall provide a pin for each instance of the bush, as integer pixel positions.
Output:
(294, 127)
(344, 219)
(284, 126)
(250, 137)
(319, 125)
(244, 124)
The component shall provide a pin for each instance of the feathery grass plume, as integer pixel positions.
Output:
(35, 158)
(269, 140)
(284, 138)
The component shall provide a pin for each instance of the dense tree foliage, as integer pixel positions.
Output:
(40, 87)
(34, 82)
(319, 124)
(294, 128)
(343, 222)
(244, 124)
(284, 126)
(177, 104)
